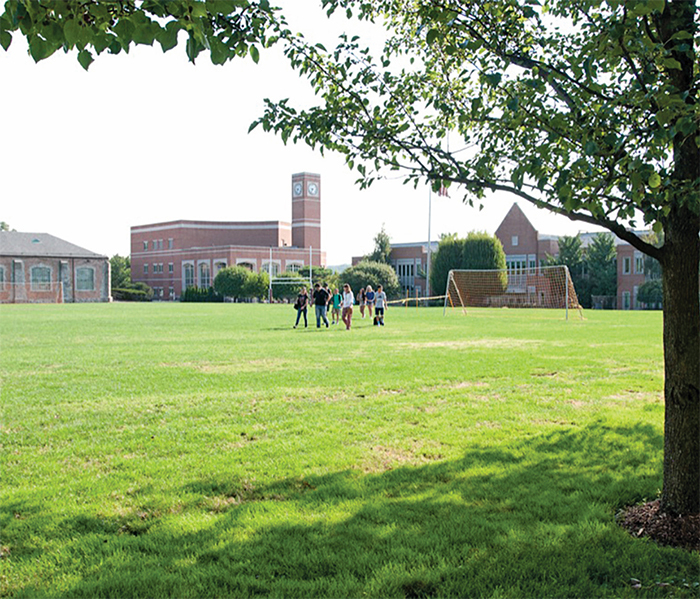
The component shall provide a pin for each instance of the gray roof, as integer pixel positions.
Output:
(14, 243)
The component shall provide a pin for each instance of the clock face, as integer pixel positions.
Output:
(313, 189)
(297, 189)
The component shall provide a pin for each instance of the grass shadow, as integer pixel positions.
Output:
(531, 519)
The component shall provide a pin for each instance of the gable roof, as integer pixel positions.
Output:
(14, 243)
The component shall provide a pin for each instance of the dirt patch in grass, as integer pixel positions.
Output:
(648, 520)
(383, 458)
(470, 343)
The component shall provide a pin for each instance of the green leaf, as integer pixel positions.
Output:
(255, 54)
(663, 117)
(671, 63)
(654, 180)
(72, 32)
(433, 34)
(167, 37)
(5, 39)
(85, 58)
(38, 48)
(591, 148)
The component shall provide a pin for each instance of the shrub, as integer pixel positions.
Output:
(195, 294)
(374, 274)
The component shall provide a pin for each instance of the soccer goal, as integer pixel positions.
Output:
(543, 287)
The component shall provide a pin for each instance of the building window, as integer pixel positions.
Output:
(170, 243)
(294, 266)
(85, 278)
(145, 269)
(40, 277)
(2, 277)
(145, 246)
(272, 270)
(204, 275)
(219, 265)
(171, 291)
(247, 265)
(171, 268)
(188, 274)
(160, 247)
(626, 300)
(514, 241)
(638, 264)
(626, 265)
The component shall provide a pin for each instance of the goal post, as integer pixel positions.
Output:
(538, 287)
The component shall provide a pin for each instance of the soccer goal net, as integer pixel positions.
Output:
(543, 287)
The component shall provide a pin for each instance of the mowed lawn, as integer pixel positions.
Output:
(193, 450)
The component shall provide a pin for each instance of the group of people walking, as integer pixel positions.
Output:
(340, 304)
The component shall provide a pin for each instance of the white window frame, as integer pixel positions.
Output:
(515, 241)
(200, 264)
(626, 265)
(294, 265)
(185, 264)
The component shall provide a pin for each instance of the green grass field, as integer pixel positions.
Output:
(192, 450)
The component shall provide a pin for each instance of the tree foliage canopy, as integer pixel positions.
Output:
(374, 274)
(224, 28)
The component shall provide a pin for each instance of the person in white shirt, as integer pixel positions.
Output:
(348, 303)
(380, 301)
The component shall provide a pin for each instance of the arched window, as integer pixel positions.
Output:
(248, 265)
(204, 275)
(188, 274)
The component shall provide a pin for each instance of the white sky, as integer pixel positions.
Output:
(148, 137)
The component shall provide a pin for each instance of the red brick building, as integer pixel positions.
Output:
(41, 268)
(523, 245)
(171, 256)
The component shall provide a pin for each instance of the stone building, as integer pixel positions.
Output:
(41, 268)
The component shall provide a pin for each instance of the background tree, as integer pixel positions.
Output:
(231, 281)
(571, 255)
(120, 267)
(288, 290)
(586, 108)
(375, 274)
(320, 275)
(483, 251)
(651, 294)
(449, 255)
(382, 248)
(5, 226)
(601, 265)
(257, 285)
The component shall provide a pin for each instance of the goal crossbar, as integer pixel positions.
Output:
(537, 287)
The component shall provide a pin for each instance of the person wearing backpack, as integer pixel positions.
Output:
(300, 305)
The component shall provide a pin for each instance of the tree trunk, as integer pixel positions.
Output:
(681, 485)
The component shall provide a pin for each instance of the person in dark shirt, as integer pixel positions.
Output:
(321, 304)
(301, 306)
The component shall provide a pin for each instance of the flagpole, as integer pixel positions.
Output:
(427, 267)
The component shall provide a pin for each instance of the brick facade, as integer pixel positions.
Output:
(41, 268)
(170, 256)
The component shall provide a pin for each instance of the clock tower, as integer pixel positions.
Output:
(306, 210)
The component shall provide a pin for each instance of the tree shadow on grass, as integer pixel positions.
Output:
(528, 520)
